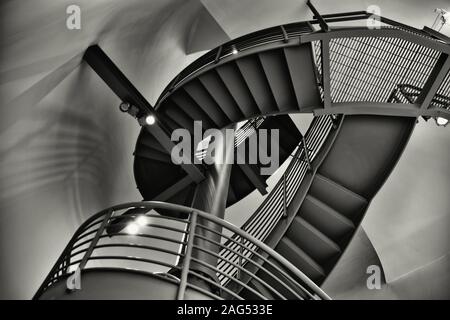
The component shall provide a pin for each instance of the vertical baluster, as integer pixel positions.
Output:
(306, 151)
(74, 281)
(187, 256)
(284, 196)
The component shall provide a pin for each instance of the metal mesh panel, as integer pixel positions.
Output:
(369, 69)
(442, 97)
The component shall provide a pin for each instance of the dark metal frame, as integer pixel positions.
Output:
(303, 32)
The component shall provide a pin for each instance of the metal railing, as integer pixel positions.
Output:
(274, 207)
(285, 33)
(167, 253)
(406, 93)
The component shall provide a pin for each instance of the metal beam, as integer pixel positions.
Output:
(326, 76)
(127, 92)
(174, 189)
(190, 168)
(323, 25)
(115, 79)
(372, 108)
(437, 76)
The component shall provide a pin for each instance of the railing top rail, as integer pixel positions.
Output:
(304, 28)
(108, 213)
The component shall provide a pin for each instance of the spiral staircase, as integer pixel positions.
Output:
(366, 88)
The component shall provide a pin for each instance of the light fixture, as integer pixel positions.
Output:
(126, 221)
(149, 120)
(141, 221)
(124, 106)
(234, 50)
(441, 122)
(132, 228)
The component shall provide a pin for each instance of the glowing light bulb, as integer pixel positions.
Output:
(132, 228)
(150, 120)
(234, 50)
(141, 221)
(442, 122)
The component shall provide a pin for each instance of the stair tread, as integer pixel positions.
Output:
(253, 74)
(319, 176)
(303, 78)
(206, 104)
(217, 90)
(277, 75)
(330, 210)
(314, 235)
(235, 84)
(306, 264)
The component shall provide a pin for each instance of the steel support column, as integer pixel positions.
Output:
(211, 197)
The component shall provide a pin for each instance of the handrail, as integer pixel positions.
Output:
(273, 208)
(289, 277)
(285, 33)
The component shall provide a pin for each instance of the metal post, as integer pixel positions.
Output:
(212, 197)
(74, 281)
(323, 25)
(284, 197)
(219, 52)
(305, 149)
(187, 257)
(241, 241)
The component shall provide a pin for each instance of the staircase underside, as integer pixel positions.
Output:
(351, 72)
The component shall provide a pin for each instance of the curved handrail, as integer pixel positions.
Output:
(290, 277)
(291, 31)
(274, 207)
(337, 39)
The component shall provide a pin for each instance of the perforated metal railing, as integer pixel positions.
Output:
(151, 243)
(274, 207)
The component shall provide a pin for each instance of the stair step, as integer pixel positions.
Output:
(191, 108)
(325, 219)
(301, 69)
(256, 81)
(343, 200)
(172, 125)
(277, 75)
(300, 259)
(216, 88)
(179, 116)
(206, 103)
(235, 84)
(317, 245)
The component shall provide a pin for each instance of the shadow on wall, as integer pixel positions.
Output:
(66, 149)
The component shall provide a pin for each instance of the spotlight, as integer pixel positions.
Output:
(149, 120)
(125, 220)
(141, 221)
(441, 122)
(125, 107)
(234, 50)
(132, 228)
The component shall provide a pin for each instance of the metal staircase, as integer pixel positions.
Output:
(351, 78)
